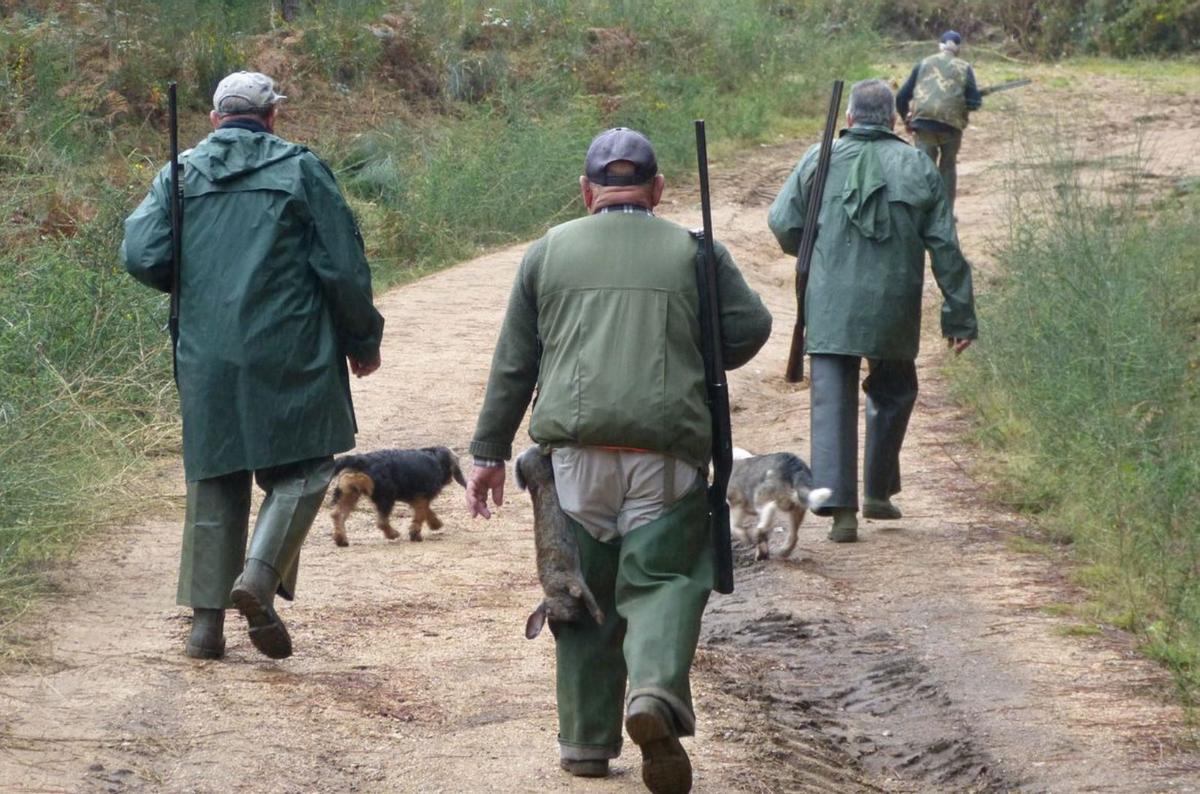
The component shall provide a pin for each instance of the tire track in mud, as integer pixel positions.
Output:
(846, 707)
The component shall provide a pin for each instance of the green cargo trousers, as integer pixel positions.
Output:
(942, 147)
(217, 522)
(653, 585)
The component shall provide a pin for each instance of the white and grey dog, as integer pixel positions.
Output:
(766, 486)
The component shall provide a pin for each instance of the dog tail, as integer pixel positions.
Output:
(350, 480)
(817, 497)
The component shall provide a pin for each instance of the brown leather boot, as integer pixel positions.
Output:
(254, 596)
(207, 639)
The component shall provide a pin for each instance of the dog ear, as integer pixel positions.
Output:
(537, 619)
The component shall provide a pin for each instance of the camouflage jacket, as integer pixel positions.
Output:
(940, 89)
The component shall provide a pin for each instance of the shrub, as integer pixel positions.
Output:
(1089, 386)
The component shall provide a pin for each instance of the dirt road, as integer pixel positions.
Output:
(921, 659)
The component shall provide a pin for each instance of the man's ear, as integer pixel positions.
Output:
(656, 190)
(215, 118)
(269, 120)
(585, 189)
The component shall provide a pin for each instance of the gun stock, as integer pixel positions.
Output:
(714, 380)
(808, 239)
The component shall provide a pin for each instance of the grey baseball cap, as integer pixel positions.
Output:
(245, 92)
(620, 143)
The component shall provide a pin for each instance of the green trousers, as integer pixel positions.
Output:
(217, 522)
(653, 585)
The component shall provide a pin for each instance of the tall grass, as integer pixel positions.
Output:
(1089, 388)
(494, 104)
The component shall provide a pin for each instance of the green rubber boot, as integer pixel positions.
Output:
(254, 596)
(845, 525)
(880, 509)
(207, 639)
(585, 767)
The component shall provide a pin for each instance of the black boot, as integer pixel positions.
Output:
(254, 596)
(207, 640)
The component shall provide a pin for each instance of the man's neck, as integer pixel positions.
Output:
(244, 123)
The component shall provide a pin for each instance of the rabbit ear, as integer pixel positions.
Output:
(537, 619)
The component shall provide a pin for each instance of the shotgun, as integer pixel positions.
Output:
(714, 380)
(176, 227)
(808, 240)
(1010, 85)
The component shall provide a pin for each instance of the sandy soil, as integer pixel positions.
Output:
(921, 659)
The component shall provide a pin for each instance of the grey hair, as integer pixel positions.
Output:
(872, 102)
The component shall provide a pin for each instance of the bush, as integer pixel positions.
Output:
(1089, 387)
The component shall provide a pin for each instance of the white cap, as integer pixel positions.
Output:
(245, 92)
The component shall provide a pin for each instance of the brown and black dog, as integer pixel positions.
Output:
(413, 476)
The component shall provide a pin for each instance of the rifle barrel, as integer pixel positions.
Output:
(808, 239)
(715, 382)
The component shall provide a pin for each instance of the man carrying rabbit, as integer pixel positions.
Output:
(602, 319)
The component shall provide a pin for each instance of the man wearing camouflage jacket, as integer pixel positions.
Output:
(942, 92)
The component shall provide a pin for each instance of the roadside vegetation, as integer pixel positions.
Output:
(1088, 387)
(452, 125)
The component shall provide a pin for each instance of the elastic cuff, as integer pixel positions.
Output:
(490, 449)
(588, 752)
(685, 719)
(488, 463)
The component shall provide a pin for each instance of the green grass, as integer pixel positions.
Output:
(1088, 391)
(453, 126)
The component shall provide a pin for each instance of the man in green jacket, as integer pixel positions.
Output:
(275, 299)
(603, 320)
(884, 206)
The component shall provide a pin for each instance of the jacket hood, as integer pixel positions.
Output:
(232, 153)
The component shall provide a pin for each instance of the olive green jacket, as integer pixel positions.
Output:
(884, 206)
(604, 320)
(275, 293)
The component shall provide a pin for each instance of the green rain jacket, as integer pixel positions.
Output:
(604, 320)
(275, 292)
(884, 206)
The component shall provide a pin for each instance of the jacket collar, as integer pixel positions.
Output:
(869, 132)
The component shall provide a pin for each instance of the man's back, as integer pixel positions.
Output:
(880, 213)
(274, 293)
(940, 91)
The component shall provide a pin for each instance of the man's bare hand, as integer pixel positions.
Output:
(482, 480)
(958, 345)
(362, 369)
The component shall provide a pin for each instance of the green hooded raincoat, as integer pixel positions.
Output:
(884, 206)
(275, 293)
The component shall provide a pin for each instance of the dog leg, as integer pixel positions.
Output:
(737, 512)
(762, 532)
(434, 521)
(383, 521)
(345, 505)
(794, 516)
(420, 508)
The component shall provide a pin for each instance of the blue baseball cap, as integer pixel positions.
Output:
(620, 143)
(951, 35)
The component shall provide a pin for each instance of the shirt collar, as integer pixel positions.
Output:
(625, 209)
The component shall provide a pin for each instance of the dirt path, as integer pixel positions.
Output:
(918, 660)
